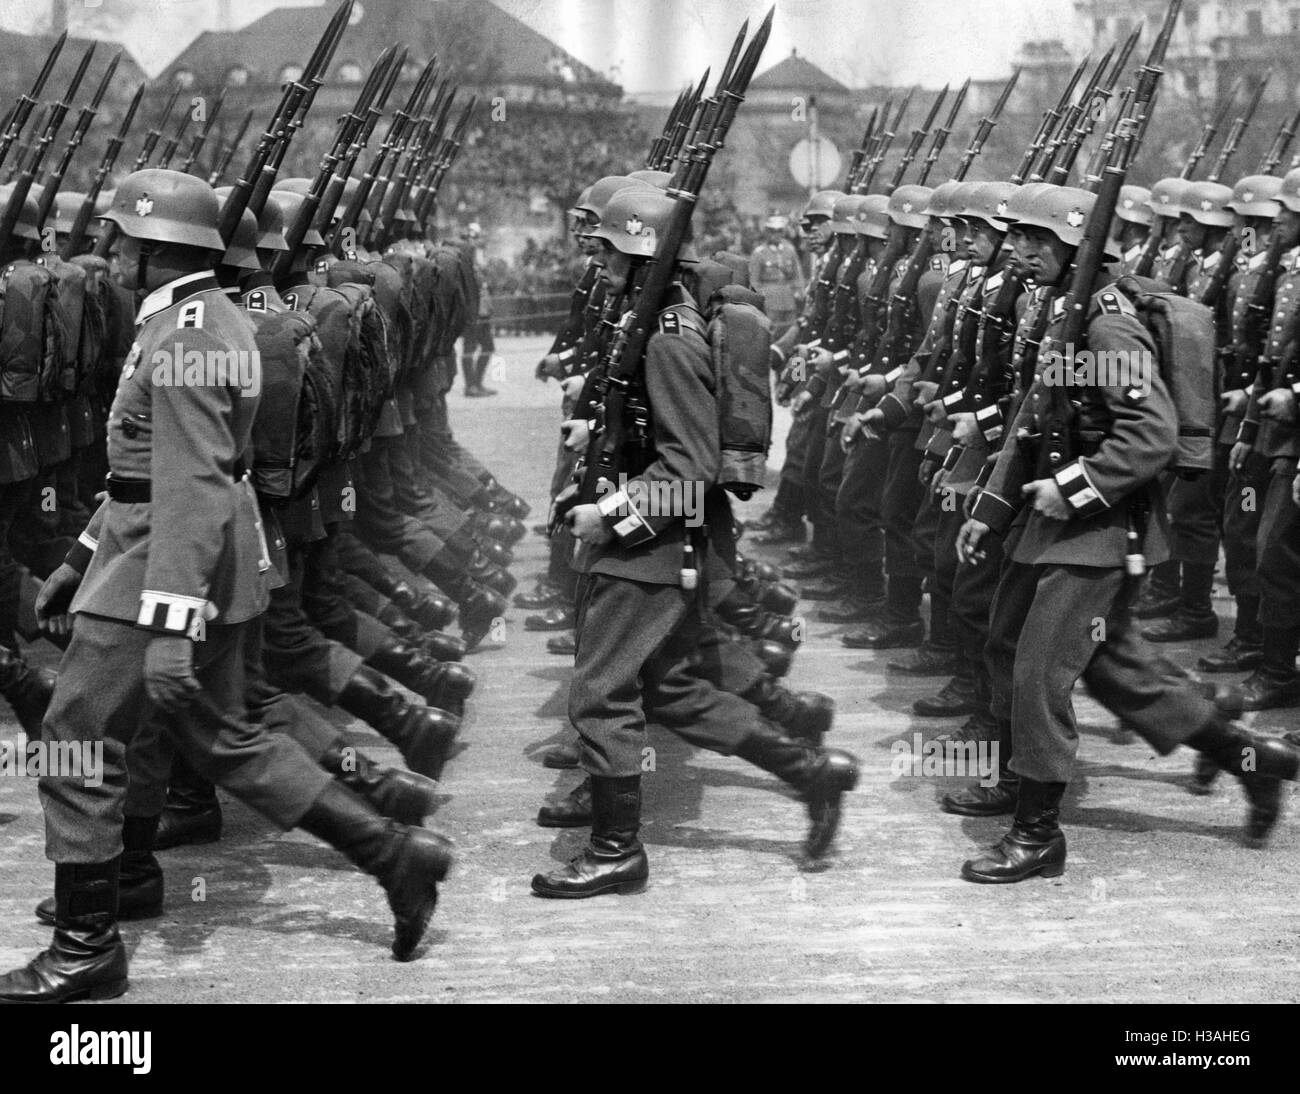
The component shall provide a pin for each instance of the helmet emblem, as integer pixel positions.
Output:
(1248, 195)
(1206, 206)
(1001, 209)
(144, 205)
(1074, 218)
(907, 206)
(634, 225)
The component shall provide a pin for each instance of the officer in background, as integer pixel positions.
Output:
(477, 344)
(776, 272)
(165, 584)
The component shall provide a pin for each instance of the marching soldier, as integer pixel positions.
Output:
(164, 584)
(1067, 569)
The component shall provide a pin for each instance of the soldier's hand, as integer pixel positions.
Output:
(572, 386)
(819, 357)
(854, 380)
(1234, 402)
(873, 386)
(969, 537)
(934, 410)
(1046, 498)
(964, 430)
(169, 678)
(55, 597)
(588, 525)
(576, 435)
(852, 430)
(925, 391)
(1238, 456)
(1278, 405)
(801, 400)
(873, 424)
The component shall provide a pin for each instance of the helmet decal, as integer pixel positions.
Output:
(1206, 205)
(634, 225)
(1074, 217)
(144, 205)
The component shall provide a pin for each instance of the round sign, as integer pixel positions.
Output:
(815, 164)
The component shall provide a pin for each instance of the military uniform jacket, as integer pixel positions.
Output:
(774, 271)
(1278, 439)
(1123, 439)
(194, 550)
(649, 525)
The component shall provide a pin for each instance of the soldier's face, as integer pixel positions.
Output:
(818, 231)
(128, 264)
(984, 243)
(1191, 233)
(1040, 253)
(1287, 226)
(616, 268)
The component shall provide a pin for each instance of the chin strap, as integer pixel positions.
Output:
(142, 264)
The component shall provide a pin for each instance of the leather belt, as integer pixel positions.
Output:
(139, 491)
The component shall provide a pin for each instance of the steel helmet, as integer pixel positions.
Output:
(943, 199)
(26, 227)
(270, 227)
(1289, 194)
(1207, 203)
(67, 204)
(1134, 205)
(660, 179)
(986, 201)
(777, 222)
(907, 205)
(599, 193)
(583, 198)
(293, 186)
(1256, 196)
(872, 219)
(290, 202)
(167, 207)
(822, 203)
(1062, 210)
(634, 220)
(843, 212)
(1165, 196)
(242, 251)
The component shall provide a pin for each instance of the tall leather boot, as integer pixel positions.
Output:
(571, 811)
(192, 814)
(27, 689)
(1261, 763)
(776, 658)
(807, 715)
(443, 685)
(479, 607)
(821, 775)
(402, 796)
(1244, 651)
(1161, 594)
(503, 501)
(435, 644)
(988, 801)
(613, 860)
(423, 735)
(498, 526)
(140, 877)
(738, 610)
(1034, 845)
(86, 958)
(1275, 683)
(1195, 616)
(431, 610)
(407, 861)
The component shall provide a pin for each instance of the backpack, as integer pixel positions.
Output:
(33, 360)
(1183, 331)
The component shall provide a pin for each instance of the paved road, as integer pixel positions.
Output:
(1161, 902)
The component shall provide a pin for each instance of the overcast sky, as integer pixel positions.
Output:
(656, 45)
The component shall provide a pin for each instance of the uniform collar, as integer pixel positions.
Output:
(176, 291)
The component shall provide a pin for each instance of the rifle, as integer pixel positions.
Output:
(253, 185)
(23, 107)
(914, 145)
(232, 146)
(985, 127)
(1092, 109)
(349, 125)
(201, 138)
(942, 134)
(424, 143)
(392, 144)
(1069, 118)
(448, 150)
(1045, 128)
(863, 185)
(1239, 126)
(860, 153)
(77, 234)
(151, 136)
(23, 183)
(627, 351)
(682, 127)
(54, 177)
(169, 148)
(25, 146)
(1056, 450)
(1281, 143)
(660, 143)
(1210, 130)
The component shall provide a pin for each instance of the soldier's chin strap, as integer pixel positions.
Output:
(142, 264)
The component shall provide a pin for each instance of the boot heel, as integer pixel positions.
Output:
(629, 888)
(111, 990)
(1055, 870)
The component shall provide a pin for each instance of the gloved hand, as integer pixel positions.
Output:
(54, 598)
(169, 678)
